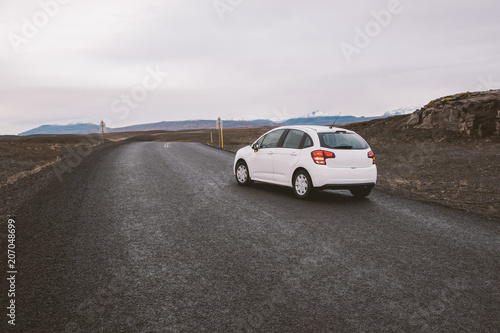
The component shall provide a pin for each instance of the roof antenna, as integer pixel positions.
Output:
(335, 120)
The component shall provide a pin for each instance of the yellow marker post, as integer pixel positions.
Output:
(211, 138)
(222, 137)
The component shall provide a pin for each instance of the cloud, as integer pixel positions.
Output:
(263, 56)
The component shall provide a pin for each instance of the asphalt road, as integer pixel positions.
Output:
(158, 237)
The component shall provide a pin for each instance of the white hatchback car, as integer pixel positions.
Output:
(307, 158)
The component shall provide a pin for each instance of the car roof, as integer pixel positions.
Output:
(316, 128)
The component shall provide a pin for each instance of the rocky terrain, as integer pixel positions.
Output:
(476, 115)
(447, 152)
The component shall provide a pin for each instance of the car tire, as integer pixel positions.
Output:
(242, 174)
(360, 192)
(302, 184)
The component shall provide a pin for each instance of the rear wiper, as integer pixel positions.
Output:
(342, 147)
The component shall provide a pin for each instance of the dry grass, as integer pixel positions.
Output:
(23, 174)
(21, 157)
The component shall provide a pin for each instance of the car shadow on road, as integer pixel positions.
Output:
(318, 196)
(336, 196)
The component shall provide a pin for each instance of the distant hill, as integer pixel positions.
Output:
(192, 125)
(161, 126)
(314, 118)
(187, 125)
(64, 129)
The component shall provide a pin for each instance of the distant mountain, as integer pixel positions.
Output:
(326, 120)
(64, 129)
(323, 118)
(161, 126)
(317, 114)
(250, 118)
(188, 125)
(313, 118)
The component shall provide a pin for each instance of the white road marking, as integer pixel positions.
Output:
(167, 145)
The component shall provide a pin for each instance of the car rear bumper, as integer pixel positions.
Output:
(344, 178)
(345, 186)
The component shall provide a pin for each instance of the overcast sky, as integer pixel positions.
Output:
(131, 62)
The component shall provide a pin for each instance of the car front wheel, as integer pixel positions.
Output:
(302, 184)
(242, 175)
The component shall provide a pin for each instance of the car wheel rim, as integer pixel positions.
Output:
(301, 184)
(242, 174)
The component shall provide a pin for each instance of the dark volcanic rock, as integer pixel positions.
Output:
(473, 114)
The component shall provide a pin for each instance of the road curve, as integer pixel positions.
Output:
(158, 237)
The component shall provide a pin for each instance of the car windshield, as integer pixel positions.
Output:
(340, 140)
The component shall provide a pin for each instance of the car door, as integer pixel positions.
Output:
(287, 156)
(261, 166)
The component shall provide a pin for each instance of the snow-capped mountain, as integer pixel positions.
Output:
(402, 111)
(281, 116)
(319, 117)
(244, 118)
(316, 114)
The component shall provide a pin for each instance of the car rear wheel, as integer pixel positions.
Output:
(360, 192)
(302, 184)
(242, 175)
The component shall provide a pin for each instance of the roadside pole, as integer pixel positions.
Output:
(219, 128)
(221, 136)
(102, 129)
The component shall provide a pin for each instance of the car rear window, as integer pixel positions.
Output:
(336, 140)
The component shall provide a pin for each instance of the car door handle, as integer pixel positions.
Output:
(294, 154)
(270, 153)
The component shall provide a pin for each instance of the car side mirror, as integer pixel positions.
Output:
(255, 147)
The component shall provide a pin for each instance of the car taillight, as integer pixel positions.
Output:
(372, 156)
(320, 156)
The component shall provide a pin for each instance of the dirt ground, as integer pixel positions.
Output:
(462, 176)
(21, 157)
(440, 168)
(437, 166)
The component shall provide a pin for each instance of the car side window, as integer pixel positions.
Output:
(293, 139)
(306, 141)
(272, 139)
(258, 144)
